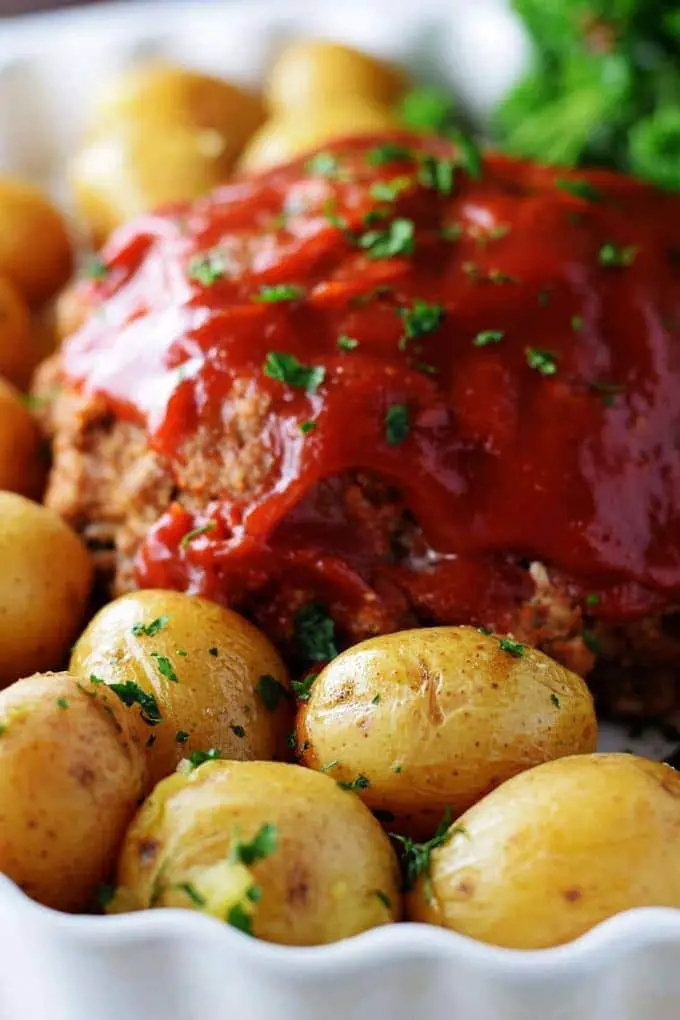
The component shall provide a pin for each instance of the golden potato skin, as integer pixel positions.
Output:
(35, 250)
(23, 463)
(438, 717)
(314, 72)
(18, 354)
(45, 581)
(288, 134)
(332, 874)
(556, 850)
(71, 775)
(215, 699)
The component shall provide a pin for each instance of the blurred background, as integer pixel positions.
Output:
(11, 7)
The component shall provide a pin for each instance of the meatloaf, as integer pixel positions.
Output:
(385, 386)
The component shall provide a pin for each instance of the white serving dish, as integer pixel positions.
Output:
(173, 965)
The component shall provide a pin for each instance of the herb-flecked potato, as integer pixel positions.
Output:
(72, 772)
(275, 850)
(214, 680)
(22, 462)
(554, 851)
(35, 250)
(45, 581)
(436, 718)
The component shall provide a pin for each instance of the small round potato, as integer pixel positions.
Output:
(22, 462)
(21, 349)
(216, 680)
(554, 851)
(35, 250)
(434, 719)
(315, 73)
(288, 135)
(45, 580)
(71, 775)
(275, 850)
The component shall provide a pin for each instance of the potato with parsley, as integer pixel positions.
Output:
(555, 851)
(428, 719)
(45, 582)
(275, 850)
(72, 771)
(215, 680)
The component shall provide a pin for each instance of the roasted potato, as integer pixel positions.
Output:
(436, 718)
(35, 250)
(554, 851)
(45, 579)
(276, 850)
(71, 775)
(18, 354)
(288, 135)
(22, 461)
(216, 680)
(314, 73)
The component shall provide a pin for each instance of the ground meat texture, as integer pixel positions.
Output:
(297, 392)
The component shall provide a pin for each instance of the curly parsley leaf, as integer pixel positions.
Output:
(130, 693)
(397, 424)
(271, 691)
(279, 292)
(263, 844)
(286, 368)
(544, 362)
(396, 239)
(315, 633)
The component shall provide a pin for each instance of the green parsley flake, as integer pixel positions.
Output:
(376, 700)
(62, 703)
(151, 741)
(271, 691)
(396, 767)
(593, 599)
(544, 362)
(239, 918)
(95, 269)
(303, 688)
(437, 174)
(590, 641)
(486, 631)
(279, 292)
(577, 323)
(324, 164)
(206, 269)
(555, 700)
(396, 239)
(428, 109)
(489, 336)
(617, 256)
(149, 629)
(451, 231)
(192, 892)
(384, 898)
(397, 424)
(389, 191)
(105, 894)
(346, 343)
(214, 652)
(315, 633)
(468, 157)
(287, 369)
(607, 391)
(238, 731)
(420, 319)
(198, 758)
(329, 765)
(181, 736)
(165, 667)
(579, 188)
(202, 529)
(130, 693)
(360, 782)
(306, 427)
(416, 857)
(512, 647)
(389, 153)
(264, 843)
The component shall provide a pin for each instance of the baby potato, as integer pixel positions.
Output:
(71, 775)
(140, 165)
(35, 250)
(556, 850)
(19, 354)
(436, 718)
(313, 72)
(45, 580)
(275, 850)
(22, 462)
(288, 134)
(216, 680)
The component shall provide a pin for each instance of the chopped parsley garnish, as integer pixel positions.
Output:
(149, 629)
(105, 894)
(206, 269)
(315, 633)
(416, 857)
(389, 153)
(488, 336)
(593, 599)
(396, 239)
(428, 109)
(555, 700)
(512, 647)
(579, 188)
(202, 529)
(590, 641)
(279, 292)
(239, 918)
(95, 269)
(286, 368)
(271, 691)
(384, 898)
(339, 222)
(616, 255)
(451, 231)
(360, 782)
(468, 156)
(329, 765)
(544, 362)
(577, 323)
(263, 844)
(421, 318)
(485, 630)
(389, 191)
(181, 736)
(303, 688)
(95, 679)
(165, 667)
(346, 343)
(238, 731)
(214, 652)
(130, 693)
(180, 651)
(397, 424)
(437, 174)
(499, 276)
(376, 700)
(425, 367)
(607, 391)
(396, 767)
(306, 427)
(324, 164)
(192, 892)
(151, 741)
(198, 758)
(62, 703)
